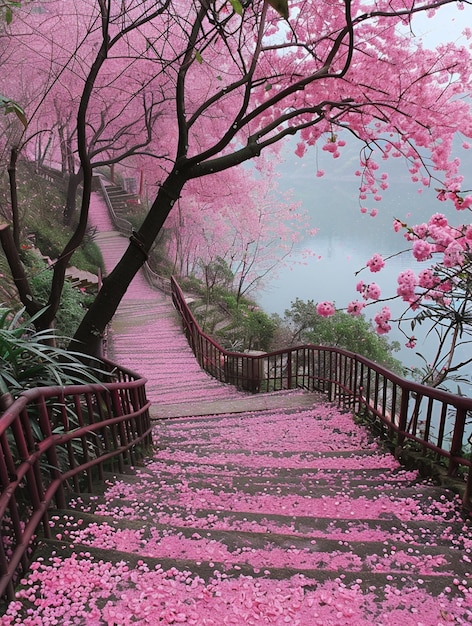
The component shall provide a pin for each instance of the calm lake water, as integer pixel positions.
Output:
(346, 238)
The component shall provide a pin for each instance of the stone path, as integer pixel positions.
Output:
(146, 335)
(264, 517)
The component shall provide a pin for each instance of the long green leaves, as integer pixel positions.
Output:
(27, 358)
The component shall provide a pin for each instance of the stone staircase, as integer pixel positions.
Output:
(265, 509)
(269, 516)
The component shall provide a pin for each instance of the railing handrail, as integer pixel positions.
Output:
(350, 379)
(111, 419)
(121, 223)
(439, 394)
(124, 226)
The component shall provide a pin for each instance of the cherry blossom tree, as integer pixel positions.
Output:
(234, 79)
(48, 51)
(248, 226)
(439, 293)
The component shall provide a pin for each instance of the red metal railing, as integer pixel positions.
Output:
(59, 439)
(434, 421)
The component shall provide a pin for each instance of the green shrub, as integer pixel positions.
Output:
(342, 330)
(27, 358)
(73, 306)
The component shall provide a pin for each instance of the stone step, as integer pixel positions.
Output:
(422, 527)
(380, 553)
(167, 486)
(295, 480)
(54, 551)
(116, 587)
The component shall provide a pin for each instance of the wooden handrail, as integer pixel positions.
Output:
(54, 437)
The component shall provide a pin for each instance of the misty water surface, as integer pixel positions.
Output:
(346, 238)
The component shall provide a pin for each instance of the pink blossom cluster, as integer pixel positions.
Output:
(332, 146)
(438, 236)
(407, 282)
(370, 291)
(460, 202)
(448, 247)
(381, 320)
(376, 263)
(355, 307)
(325, 309)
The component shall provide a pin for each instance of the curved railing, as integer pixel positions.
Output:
(124, 226)
(57, 440)
(435, 422)
(120, 223)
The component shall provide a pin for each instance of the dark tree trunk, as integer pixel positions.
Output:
(91, 330)
(71, 196)
(63, 147)
(17, 271)
(14, 197)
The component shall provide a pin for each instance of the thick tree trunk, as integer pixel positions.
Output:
(71, 196)
(14, 196)
(91, 330)
(17, 270)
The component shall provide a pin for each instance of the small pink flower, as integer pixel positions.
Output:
(438, 219)
(360, 286)
(411, 343)
(376, 263)
(422, 250)
(397, 225)
(355, 307)
(300, 150)
(381, 320)
(427, 279)
(325, 309)
(407, 282)
(453, 255)
(372, 292)
(421, 230)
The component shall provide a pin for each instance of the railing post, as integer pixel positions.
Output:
(403, 417)
(289, 371)
(457, 438)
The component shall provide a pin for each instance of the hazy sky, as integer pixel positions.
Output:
(447, 25)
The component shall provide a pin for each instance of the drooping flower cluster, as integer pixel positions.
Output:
(407, 282)
(355, 307)
(381, 320)
(443, 288)
(376, 263)
(370, 291)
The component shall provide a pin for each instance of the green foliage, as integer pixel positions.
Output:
(6, 105)
(281, 6)
(237, 6)
(218, 276)
(73, 305)
(41, 215)
(258, 327)
(27, 358)
(355, 334)
(192, 284)
(230, 301)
